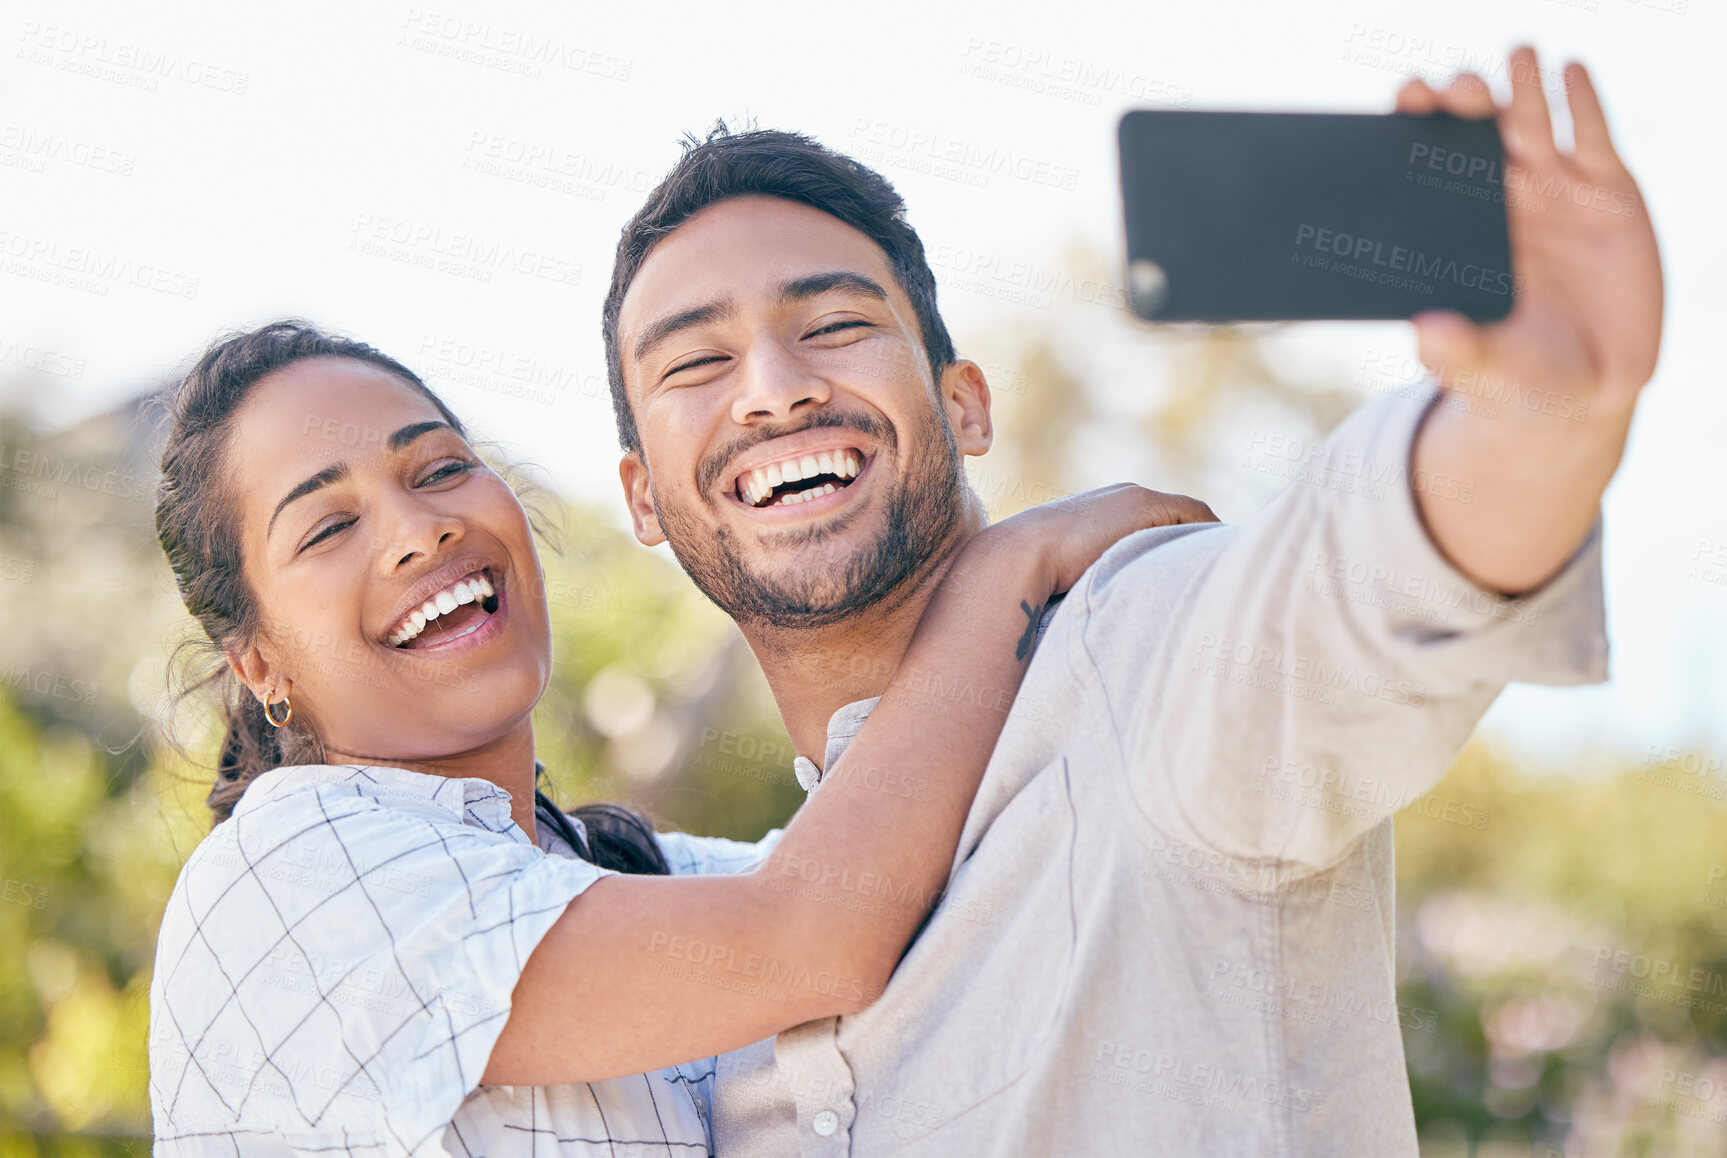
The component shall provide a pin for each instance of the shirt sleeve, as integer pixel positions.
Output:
(1279, 687)
(333, 970)
(714, 855)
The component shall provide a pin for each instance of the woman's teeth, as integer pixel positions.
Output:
(467, 590)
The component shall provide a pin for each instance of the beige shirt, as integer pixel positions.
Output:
(1169, 925)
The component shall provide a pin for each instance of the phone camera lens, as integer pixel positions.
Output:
(1148, 285)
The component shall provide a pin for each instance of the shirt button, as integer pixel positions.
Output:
(701, 1104)
(826, 1123)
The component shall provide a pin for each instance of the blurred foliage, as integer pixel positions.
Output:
(1574, 946)
(1524, 935)
(654, 701)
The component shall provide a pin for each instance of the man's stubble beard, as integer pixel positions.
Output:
(923, 514)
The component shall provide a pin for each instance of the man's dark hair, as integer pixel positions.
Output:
(770, 163)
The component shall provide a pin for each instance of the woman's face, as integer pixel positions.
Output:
(361, 513)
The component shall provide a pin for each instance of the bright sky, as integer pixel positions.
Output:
(166, 175)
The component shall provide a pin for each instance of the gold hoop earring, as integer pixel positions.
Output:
(270, 716)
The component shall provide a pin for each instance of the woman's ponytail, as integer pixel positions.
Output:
(250, 748)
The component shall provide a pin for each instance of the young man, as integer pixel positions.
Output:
(1169, 926)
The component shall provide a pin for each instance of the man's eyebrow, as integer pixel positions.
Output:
(413, 430)
(658, 331)
(796, 290)
(816, 284)
(330, 474)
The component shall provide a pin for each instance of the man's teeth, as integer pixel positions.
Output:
(467, 590)
(805, 496)
(758, 484)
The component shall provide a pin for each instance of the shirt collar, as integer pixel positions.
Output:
(470, 799)
(843, 725)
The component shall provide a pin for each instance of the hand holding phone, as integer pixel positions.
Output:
(1563, 367)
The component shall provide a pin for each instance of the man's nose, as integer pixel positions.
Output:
(774, 383)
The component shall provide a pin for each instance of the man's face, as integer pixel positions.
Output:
(796, 451)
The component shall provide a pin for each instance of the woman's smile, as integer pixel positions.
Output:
(452, 602)
(418, 548)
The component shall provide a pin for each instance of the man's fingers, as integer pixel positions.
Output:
(1469, 97)
(1526, 123)
(1450, 345)
(1416, 97)
(1180, 509)
(1588, 122)
(1194, 511)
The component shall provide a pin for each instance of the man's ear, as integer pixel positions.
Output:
(639, 497)
(965, 397)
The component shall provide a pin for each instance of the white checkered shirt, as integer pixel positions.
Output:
(336, 964)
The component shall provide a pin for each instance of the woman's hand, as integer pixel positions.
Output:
(1069, 534)
(622, 982)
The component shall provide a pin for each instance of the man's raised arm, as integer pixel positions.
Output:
(1581, 338)
(1278, 688)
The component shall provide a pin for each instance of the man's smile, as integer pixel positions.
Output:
(797, 478)
(801, 474)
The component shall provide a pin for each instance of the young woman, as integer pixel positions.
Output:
(391, 943)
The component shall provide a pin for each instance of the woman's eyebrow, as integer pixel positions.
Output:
(413, 430)
(317, 482)
(339, 471)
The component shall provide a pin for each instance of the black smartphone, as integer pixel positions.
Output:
(1239, 217)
